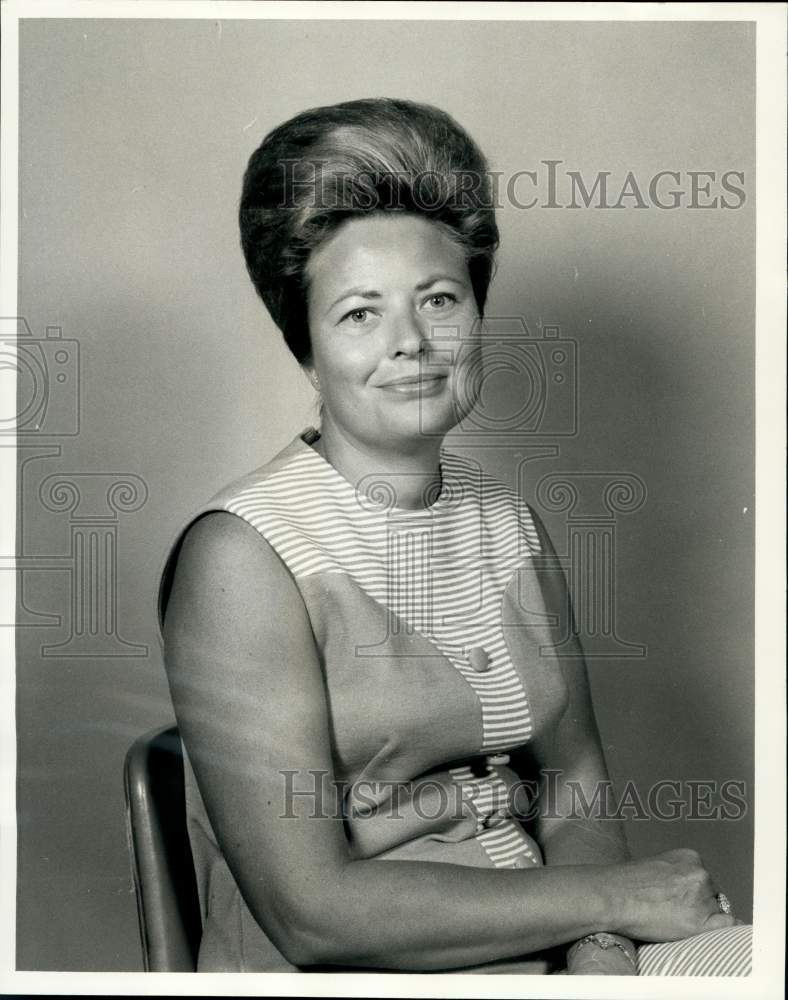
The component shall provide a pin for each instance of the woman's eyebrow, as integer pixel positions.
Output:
(364, 293)
(433, 278)
(368, 293)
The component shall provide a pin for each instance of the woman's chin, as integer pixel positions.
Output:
(423, 422)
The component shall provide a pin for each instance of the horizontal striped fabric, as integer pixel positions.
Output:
(726, 952)
(505, 842)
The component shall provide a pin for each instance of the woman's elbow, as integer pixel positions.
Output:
(315, 934)
(305, 944)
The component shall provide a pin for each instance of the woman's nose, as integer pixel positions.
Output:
(407, 335)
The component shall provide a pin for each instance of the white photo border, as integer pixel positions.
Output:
(770, 775)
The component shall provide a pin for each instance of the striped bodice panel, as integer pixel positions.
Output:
(441, 570)
(500, 836)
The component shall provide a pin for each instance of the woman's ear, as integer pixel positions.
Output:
(311, 374)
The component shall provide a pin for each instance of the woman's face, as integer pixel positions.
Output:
(382, 291)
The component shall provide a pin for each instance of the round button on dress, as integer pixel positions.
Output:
(479, 659)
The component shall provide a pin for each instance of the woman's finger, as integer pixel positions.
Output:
(716, 921)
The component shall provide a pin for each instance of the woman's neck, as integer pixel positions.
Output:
(412, 479)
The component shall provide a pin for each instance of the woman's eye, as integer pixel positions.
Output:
(440, 300)
(357, 316)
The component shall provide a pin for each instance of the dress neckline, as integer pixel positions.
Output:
(378, 498)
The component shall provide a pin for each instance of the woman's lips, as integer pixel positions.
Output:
(421, 385)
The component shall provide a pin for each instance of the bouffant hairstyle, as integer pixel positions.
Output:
(330, 164)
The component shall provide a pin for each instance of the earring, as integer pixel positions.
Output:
(315, 380)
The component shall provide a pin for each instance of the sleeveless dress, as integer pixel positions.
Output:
(432, 627)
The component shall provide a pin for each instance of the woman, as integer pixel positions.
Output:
(354, 632)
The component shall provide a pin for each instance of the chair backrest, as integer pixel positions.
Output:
(161, 858)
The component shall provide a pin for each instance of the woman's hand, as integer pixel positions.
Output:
(667, 897)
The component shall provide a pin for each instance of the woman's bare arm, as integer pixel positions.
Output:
(576, 820)
(577, 823)
(251, 704)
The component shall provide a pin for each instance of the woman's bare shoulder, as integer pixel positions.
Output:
(223, 542)
(229, 579)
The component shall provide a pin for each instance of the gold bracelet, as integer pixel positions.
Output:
(604, 940)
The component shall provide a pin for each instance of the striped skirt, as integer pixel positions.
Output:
(726, 952)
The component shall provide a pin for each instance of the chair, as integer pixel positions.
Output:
(168, 907)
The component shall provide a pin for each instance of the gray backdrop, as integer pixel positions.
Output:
(133, 139)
